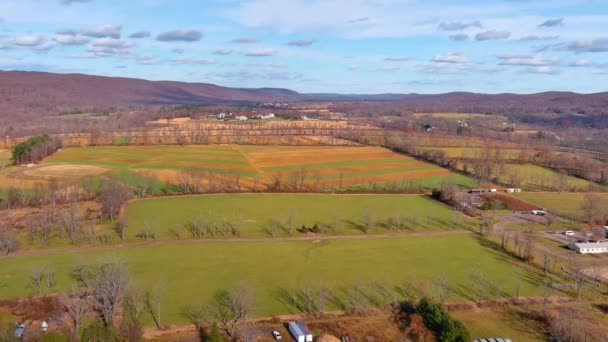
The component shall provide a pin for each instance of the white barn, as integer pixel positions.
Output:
(589, 247)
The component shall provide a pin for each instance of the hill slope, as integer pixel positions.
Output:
(46, 93)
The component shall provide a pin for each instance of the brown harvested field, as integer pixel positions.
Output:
(347, 166)
(65, 171)
(268, 157)
(515, 203)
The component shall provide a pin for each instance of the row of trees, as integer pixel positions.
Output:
(35, 149)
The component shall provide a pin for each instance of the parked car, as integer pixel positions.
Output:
(277, 335)
(569, 233)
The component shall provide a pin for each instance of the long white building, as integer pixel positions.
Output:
(589, 247)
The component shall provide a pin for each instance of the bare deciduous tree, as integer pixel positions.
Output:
(112, 196)
(367, 220)
(195, 314)
(8, 242)
(121, 228)
(36, 280)
(480, 285)
(153, 301)
(76, 306)
(72, 223)
(107, 283)
(593, 209)
(148, 231)
(442, 287)
(577, 274)
(231, 308)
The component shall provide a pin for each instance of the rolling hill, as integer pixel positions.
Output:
(42, 93)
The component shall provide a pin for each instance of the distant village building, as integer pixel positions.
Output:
(589, 247)
(241, 118)
(265, 116)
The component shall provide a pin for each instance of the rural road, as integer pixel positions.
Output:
(233, 240)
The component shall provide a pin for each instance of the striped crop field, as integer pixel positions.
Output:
(296, 167)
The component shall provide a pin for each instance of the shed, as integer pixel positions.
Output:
(299, 331)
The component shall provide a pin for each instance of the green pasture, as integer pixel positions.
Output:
(540, 178)
(192, 272)
(564, 204)
(343, 164)
(473, 152)
(255, 212)
(5, 157)
(499, 322)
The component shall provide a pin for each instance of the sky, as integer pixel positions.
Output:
(335, 46)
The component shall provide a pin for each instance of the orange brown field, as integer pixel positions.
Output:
(299, 167)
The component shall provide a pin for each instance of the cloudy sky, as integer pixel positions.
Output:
(346, 46)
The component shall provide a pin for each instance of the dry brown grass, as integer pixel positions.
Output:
(64, 171)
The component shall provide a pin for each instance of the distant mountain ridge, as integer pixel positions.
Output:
(46, 93)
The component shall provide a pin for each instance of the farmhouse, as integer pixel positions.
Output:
(589, 247)
(299, 331)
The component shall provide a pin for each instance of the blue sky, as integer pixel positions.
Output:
(345, 46)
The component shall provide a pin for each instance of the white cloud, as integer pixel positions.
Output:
(397, 59)
(518, 60)
(589, 45)
(29, 40)
(222, 52)
(113, 43)
(262, 53)
(181, 35)
(492, 35)
(70, 39)
(105, 31)
(451, 58)
(543, 70)
(188, 60)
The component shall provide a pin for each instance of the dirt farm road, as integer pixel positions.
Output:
(232, 240)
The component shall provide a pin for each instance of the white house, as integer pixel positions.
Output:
(241, 118)
(299, 331)
(589, 247)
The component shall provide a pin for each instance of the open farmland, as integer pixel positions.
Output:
(255, 213)
(5, 156)
(193, 272)
(536, 177)
(351, 167)
(216, 158)
(565, 204)
(319, 168)
(460, 116)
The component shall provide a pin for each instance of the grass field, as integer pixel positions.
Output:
(321, 168)
(345, 213)
(498, 322)
(535, 177)
(5, 157)
(193, 272)
(564, 204)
